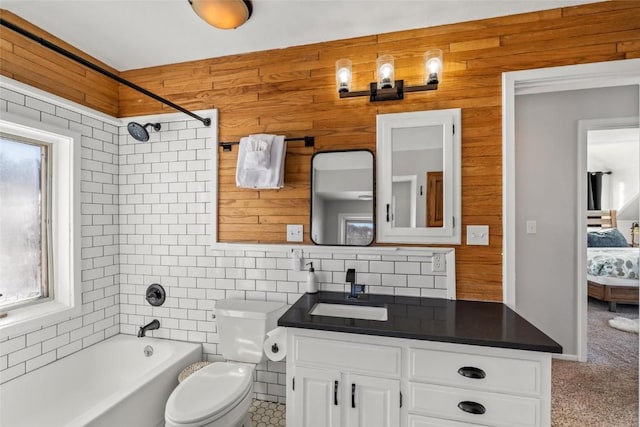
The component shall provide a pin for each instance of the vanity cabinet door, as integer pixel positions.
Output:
(372, 402)
(317, 397)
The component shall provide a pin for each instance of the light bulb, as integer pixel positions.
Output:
(384, 65)
(433, 66)
(343, 75)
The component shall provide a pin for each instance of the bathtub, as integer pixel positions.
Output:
(110, 384)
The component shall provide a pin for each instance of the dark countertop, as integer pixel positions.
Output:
(433, 319)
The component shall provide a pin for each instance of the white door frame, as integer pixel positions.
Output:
(544, 80)
(413, 185)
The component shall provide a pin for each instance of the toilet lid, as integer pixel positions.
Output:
(213, 389)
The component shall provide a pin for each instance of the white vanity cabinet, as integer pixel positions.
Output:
(412, 383)
(340, 383)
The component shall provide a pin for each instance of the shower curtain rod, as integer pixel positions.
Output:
(94, 67)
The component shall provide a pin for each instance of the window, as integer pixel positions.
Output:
(24, 221)
(358, 233)
(39, 224)
(355, 229)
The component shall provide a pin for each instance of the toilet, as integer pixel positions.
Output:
(219, 395)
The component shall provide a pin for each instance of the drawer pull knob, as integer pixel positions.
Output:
(471, 372)
(472, 407)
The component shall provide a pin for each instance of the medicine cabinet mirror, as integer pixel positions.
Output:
(342, 198)
(418, 177)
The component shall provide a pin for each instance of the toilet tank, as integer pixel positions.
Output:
(243, 326)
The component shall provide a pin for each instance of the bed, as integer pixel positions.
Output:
(612, 266)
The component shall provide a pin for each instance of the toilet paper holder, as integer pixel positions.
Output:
(274, 348)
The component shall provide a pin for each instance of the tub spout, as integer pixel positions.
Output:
(154, 324)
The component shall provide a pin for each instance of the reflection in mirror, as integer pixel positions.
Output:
(418, 181)
(342, 198)
(417, 175)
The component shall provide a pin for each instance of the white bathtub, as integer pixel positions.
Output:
(110, 384)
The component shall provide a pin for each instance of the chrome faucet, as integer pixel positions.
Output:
(356, 290)
(154, 324)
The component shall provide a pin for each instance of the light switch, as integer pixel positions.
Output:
(478, 235)
(294, 233)
(531, 227)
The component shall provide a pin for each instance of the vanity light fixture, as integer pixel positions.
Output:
(386, 88)
(223, 14)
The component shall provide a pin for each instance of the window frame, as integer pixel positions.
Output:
(65, 243)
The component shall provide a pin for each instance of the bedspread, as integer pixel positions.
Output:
(613, 262)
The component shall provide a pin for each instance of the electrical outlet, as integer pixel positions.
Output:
(438, 263)
(296, 259)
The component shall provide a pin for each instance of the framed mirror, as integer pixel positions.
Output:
(418, 177)
(342, 198)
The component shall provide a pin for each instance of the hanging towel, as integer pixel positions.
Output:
(252, 173)
(258, 155)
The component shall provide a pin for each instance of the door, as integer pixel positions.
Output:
(372, 402)
(435, 206)
(316, 397)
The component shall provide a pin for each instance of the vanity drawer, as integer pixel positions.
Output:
(475, 371)
(496, 409)
(354, 356)
(420, 421)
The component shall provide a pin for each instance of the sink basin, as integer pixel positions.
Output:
(350, 311)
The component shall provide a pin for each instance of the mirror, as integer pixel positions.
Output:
(342, 198)
(419, 177)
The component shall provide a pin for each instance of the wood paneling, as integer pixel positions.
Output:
(29, 62)
(292, 92)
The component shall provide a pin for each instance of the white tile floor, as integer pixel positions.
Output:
(267, 414)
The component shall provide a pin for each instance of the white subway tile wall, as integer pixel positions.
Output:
(146, 216)
(100, 245)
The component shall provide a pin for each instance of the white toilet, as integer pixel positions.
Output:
(219, 395)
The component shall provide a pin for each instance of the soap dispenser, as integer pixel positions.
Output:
(312, 281)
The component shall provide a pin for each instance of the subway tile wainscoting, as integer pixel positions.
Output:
(146, 215)
(26, 352)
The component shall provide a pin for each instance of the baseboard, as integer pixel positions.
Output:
(570, 357)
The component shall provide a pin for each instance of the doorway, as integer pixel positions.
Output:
(544, 272)
(549, 289)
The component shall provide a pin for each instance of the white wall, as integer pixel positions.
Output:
(418, 163)
(546, 170)
(616, 151)
(100, 288)
(332, 210)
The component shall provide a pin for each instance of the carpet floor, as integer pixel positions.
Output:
(604, 391)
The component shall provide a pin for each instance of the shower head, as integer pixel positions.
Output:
(139, 132)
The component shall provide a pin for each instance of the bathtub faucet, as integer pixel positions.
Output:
(154, 324)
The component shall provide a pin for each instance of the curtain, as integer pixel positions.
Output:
(594, 191)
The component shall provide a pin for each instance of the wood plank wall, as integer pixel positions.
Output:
(28, 62)
(292, 92)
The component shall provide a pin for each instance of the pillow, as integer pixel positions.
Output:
(608, 238)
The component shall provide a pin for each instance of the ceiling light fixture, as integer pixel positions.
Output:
(223, 14)
(386, 88)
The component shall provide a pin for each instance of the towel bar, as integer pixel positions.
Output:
(309, 141)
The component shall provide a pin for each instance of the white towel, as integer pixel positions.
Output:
(271, 177)
(258, 154)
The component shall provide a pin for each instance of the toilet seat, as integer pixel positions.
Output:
(209, 393)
